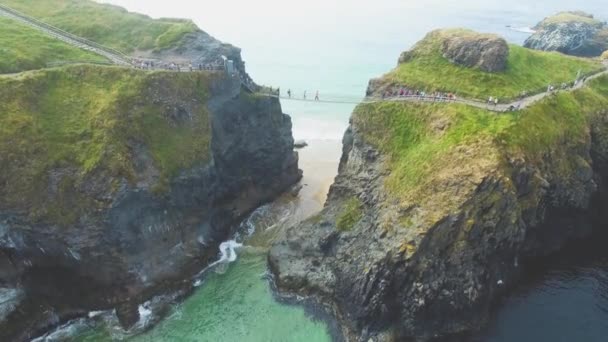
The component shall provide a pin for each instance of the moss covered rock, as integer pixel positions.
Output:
(428, 67)
(484, 51)
(117, 184)
(453, 200)
(574, 33)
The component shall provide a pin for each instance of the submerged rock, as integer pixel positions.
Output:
(574, 33)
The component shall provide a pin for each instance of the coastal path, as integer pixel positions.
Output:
(113, 55)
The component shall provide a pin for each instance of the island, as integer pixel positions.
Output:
(439, 203)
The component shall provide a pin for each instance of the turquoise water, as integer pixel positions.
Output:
(234, 306)
(334, 47)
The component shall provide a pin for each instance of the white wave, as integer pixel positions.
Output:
(227, 255)
(65, 332)
(523, 29)
(93, 314)
(145, 315)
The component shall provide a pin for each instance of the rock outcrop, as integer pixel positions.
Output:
(198, 48)
(486, 52)
(429, 263)
(467, 48)
(101, 239)
(573, 33)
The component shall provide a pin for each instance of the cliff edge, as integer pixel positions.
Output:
(117, 184)
(438, 205)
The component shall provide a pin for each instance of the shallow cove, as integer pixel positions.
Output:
(235, 302)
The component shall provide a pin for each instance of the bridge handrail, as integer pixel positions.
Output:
(57, 30)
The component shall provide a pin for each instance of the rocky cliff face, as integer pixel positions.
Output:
(429, 265)
(572, 33)
(486, 52)
(141, 235)
(198, 48)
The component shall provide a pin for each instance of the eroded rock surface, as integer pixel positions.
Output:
(573, 33)
(431, 266)
(140, 239)
(486, 52)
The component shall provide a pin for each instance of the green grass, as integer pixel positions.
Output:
(87, 119)
(106, 24)
(567, 17)
(429, 143)
(351, 214)
(24, 48)
(527, 70)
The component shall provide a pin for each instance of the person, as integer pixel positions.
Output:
(304, 94)
(317, 96)
(191, 69)
(289, 93)
(490, 100)
(279, 91)
(495, 101)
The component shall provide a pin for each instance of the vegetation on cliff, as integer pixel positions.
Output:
(83, 122)
(351, 214)
(432, 147)
(24, 48)
(574, 33)
(107, 24)
(569, 17)
(427, 69)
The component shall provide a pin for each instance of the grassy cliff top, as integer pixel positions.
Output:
(107, 24)
(439, 153)
(569, 17)
(526, 70)
(24, 48)
(90, 123)
(604, 55)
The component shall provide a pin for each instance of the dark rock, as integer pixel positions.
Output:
(425, 279)
(128, 315)
(486, 52)
(573, 33)
(300, 144)
(143, 242)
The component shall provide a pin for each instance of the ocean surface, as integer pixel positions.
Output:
(335, 47)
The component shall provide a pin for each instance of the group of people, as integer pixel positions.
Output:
(404, 91)
(492, 101)
(290, 94)
(159, 65)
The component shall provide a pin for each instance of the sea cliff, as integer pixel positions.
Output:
(118, 184)
(437, 206)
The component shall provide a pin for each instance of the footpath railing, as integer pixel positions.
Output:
(116, 56)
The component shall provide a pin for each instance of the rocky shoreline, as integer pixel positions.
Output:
(317, 261)
(145, 243)
(432, 264)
